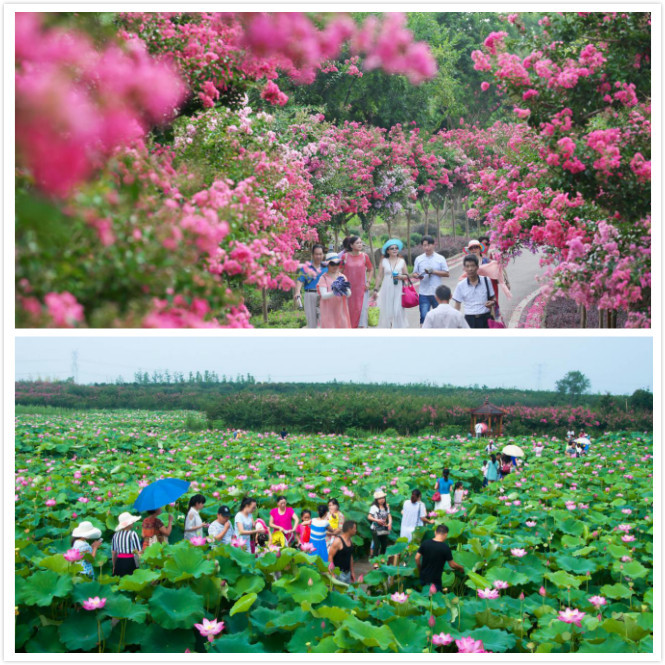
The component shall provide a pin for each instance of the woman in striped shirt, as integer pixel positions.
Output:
(125, 546)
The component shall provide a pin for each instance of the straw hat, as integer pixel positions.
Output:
(125, 520)
(86, 530)
(379, 494)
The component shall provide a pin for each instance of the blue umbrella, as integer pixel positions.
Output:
(160, 493)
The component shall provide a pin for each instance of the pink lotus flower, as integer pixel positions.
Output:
(399, 597)
(210, 628)
(500, 584)
(488, 594)
(597, 601)
(83, 499)
(518, 552)
(571, 616)
(95, 603)
(442, 639)
(237, 542)
(530, 523)
(50, 502)
(628, 538)
(307, 547)
(198, 541)
(469, 645)
(73, 555)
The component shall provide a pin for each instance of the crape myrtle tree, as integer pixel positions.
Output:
(125, 218)
(581, 83)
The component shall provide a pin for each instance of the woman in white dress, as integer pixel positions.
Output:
(414, 514)
(392, 275)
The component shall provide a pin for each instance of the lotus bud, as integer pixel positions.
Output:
(360, 579)
(432, 589)
(310, 582)
(431, 621)
(522, 596)
(222, 582)
(542, 591)
(323, 625)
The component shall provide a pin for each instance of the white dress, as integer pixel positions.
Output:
(391, 312)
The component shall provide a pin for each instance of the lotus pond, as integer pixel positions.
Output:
(564, 544)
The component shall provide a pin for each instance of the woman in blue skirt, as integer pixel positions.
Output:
(319, 528)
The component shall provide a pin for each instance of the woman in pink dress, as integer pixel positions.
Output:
(284, 519)
(334, 295)
(358, 268)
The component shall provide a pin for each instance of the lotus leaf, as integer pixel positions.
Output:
(243, 604)
(185, 563)
(42, 587)
(176, 608)
(80, 631)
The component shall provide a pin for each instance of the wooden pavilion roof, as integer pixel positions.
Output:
(488, 409)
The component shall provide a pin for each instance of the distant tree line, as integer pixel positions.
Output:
(339, 407)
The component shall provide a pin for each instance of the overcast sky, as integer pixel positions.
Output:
(616, 365)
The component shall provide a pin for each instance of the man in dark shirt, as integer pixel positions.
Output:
(432, 556)
(340, 553)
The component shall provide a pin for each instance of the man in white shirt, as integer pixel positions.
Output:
(477, 294)
(479, 430)
(490, 447)
(444, 316)
(429, 268)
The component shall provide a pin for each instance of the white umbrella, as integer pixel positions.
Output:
(583, 439)
(513, 451)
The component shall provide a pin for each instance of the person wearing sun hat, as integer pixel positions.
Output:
(381, 522)
(335, 290)
(476, 247)
(125, 546)
(392, 274)
(83, 533)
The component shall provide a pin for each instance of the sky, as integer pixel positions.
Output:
(619, 365)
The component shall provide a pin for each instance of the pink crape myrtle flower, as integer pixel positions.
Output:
(95, 603)
(488, 594)
(209, 628)
(571, 616)
(442, 639)
(469, 645)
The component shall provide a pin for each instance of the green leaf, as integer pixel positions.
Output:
(497, 641)
(122, 607)
(247, 584)
(615, 591)
(139, 579)
(576, 565)
(84, 590)
(155, 639)
(299, 588)
(46, 640)
(80, 631)
(513, 577)
(477, 581)
(243, 604)
(43, 586)
(628, 627)
(369, 634)
(237, 643)
(56, 562)
(186, 563)
(635, 570)
(411, 634)
(563, 580)
(176, 608)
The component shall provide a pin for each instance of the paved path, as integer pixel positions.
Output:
(521, 273)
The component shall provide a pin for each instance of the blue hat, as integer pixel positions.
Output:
(392, 241)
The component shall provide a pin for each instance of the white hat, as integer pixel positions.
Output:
(86, 530)
(333, 256)
(125, 520)
(379, 494)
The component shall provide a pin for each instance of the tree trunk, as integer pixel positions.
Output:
(264, 304)
(336, 239)
(466, 220)
(583, 316)
(390, 227)
(452, 209)
(408, 238)
(426, 211)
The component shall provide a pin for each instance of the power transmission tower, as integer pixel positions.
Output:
(539, 374)
(75, 365)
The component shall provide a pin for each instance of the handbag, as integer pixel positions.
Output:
(409, 295)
